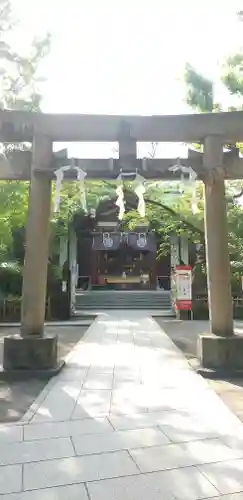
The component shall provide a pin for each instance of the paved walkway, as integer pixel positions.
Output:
(126, 419)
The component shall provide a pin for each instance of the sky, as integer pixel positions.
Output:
(128, 56)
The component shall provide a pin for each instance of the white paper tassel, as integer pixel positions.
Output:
(140, 190)
(59, 179)
(194, 204)
(191, 181)
(59, 176)
(81, 176)
(120, 203)
(2, 150)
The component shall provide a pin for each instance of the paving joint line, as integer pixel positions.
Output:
(87, 491)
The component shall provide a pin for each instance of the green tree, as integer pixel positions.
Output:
(199, 90)
(232, 75)
(19, 76)
(19, 89)
(199, 96)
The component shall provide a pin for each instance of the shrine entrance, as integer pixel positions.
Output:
(123, 270)
(107, 257)
(124, 261)
(212, 165)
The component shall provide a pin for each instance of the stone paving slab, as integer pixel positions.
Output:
(135, 487)
(227, 477)
(127, 419)
(234, 496)
(70, 492)
(179, 455)
(11, 478)
(32, 451)
(64, 429)
(181, 484)
(9, 434)
(78, 469)
(117, 441)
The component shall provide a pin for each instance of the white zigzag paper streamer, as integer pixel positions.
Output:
(59, 179)
(120, 203)
(191, 181)
(140, 191)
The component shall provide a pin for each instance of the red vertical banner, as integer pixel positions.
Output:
(183, 282)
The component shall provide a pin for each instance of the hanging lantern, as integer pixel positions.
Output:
(92, 213)
(142, 240)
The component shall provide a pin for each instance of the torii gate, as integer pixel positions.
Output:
(32, 349)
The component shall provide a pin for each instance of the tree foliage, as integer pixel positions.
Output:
(19, 89)
(19, 76)
(199, 96)
(199, 90)
(232, 75)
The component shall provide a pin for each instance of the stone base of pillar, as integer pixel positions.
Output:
(25, 357)
(220, 356)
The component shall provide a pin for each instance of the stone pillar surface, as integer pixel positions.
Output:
(63, 254)
(216, 239)
(174, 253)
(127, 148)
(73, 267)
(184, 250)
(37, 241)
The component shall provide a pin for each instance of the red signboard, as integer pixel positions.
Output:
(183, 280)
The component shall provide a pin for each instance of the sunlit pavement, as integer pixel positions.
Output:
(127, 419)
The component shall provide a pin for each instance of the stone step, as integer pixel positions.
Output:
(158, 300)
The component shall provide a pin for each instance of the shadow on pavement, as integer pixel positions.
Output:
(16, 397)
(184, 334)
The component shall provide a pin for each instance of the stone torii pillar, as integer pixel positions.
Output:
(220, 349)
(37, 241)
(216, 239)
(32, 350)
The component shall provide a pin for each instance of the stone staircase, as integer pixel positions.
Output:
(96, 300)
